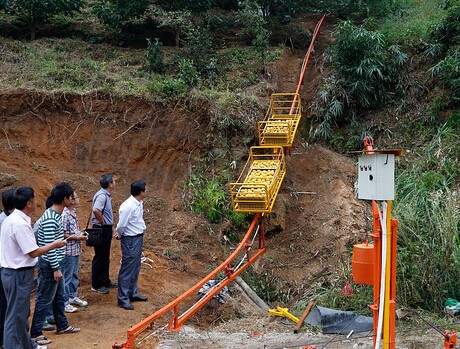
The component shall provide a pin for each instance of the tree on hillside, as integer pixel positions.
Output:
(115, 13)
(356, 8)
(179, 21)
(191, 5)
(253, 29)
(35, 12)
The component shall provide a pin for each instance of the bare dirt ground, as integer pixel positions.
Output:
(47, 138)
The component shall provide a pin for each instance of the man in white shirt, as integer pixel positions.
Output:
(8, 207)
(130, 229)
(18, 256)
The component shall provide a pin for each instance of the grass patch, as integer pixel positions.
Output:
(414, 22)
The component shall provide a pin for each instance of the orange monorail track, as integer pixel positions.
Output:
(228, 267)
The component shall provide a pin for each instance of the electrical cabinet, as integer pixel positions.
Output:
(376, 176)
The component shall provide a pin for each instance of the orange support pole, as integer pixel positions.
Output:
(394, 235)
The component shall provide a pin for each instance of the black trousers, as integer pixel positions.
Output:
(101, 260)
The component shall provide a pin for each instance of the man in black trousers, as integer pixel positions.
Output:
(103, 217)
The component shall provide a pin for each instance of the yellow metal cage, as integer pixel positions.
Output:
(259, 182)
(281, 121)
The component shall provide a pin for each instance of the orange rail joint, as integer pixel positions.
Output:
(450, 339)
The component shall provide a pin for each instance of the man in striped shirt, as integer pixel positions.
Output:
(51, 288)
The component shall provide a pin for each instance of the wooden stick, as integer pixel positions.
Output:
(251, 294)
(302, 318)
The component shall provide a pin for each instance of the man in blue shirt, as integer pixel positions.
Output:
(130, 229)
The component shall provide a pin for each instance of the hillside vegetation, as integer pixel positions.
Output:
(391, 70)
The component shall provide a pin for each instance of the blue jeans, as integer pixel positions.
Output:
(70, 272)
(49, 313)
(50, 293)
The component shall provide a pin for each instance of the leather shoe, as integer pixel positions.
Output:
(128, 306)
(138, 298)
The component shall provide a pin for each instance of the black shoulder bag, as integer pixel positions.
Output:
(94, 234)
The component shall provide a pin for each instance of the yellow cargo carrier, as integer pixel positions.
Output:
(260, 180)
(281, 121)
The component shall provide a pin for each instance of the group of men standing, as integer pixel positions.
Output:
(21, 251)
(130, 230)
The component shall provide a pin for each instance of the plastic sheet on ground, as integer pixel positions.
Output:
(221, 297)
(337, 321)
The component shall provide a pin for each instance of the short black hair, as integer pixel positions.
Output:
(49, 201)
(60, 192)
(8, 199)
(22, 196)
(137, 187)
(105, 180)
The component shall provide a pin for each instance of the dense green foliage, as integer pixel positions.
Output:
(446, 48)
(358, 8)
(210, 197)
(192, 5)
(365, 77)
(428, 210)
(35, 12)
(115, 13)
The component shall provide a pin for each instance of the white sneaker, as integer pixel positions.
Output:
(70, 308)
(41, 347)
(78, 301)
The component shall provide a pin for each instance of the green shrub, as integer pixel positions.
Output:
(188, 73)
(173, 88)
(212, 199)
(199, 47)
(161, 87)
(447, 33)
(447, 49)
(115, 13)
(155, 56)
(358, 9)
(365, 76)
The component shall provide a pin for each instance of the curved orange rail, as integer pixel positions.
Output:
(227, 267)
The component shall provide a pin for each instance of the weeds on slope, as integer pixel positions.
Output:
(427, 206)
